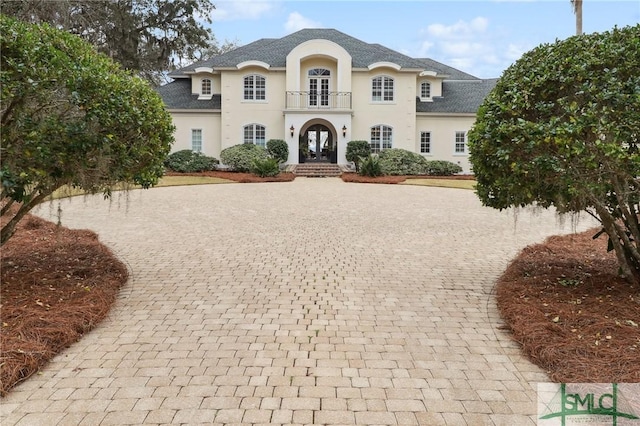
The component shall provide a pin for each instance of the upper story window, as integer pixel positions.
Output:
(381, 138)
(382, 89)
(255, 134)
(425, 90)
(255, 88)
(196, 140)
(461, 143)
(316, 72)
(425, 142)
(206, 87)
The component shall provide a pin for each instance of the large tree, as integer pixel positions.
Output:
(576, 5)
(146, 36)
(562, 128)
(71, 116)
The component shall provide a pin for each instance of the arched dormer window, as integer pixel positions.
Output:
(425, 90)
(381, 138)
(255, 134)
(382, 89)
(255, 88)
(205, 87)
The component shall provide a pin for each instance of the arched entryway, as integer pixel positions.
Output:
(318, 144)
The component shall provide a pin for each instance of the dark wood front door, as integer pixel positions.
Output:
(319, 143)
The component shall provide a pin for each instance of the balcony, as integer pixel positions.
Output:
(318, 100)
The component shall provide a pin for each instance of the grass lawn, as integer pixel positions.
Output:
(444, 183)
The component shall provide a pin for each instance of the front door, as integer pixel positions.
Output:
(320, 145)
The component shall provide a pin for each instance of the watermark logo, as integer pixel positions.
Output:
(569, 404)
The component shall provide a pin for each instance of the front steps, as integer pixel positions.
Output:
(317, 170)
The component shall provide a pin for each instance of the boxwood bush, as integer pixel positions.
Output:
(240, 157)
(399, 162)
(187, 161)
(278, 149)
(442, 168)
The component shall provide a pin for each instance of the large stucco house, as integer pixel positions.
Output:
(318, 89)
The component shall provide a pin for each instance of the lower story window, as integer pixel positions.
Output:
(460, 147)
(196, 140)
(255, 134)
(381, 138)
(425, 142)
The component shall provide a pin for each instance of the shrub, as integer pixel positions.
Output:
(265, 167)
(396, 161)
(370, 166)
(561, 128)
(240, 157)
(357, 150)
(187, 161)
(442, 168)
(278, 149)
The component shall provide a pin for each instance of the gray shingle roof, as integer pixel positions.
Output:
(459, 97)
(177, 95)
(274, 51)
(462, 92)
(440, 68)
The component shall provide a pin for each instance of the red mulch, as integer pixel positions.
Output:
(354, 177)
(571, 312)
(57, 284)
(240, 177)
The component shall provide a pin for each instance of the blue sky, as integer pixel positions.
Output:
(481, 37)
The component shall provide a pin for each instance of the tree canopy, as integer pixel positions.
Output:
(562, 128)
(146, 36)
(71, 116)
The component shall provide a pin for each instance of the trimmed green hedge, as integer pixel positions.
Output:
(187, 161)
(240, 158)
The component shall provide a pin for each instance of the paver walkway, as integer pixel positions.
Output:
(310, 302)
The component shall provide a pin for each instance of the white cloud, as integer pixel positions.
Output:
(297, 22)
(241, 10)
(471, 46)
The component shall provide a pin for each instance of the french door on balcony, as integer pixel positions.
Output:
(319, 87)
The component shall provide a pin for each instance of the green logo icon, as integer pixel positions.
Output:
(579, 403)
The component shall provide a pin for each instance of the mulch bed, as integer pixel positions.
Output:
(571, 312)
(354, 177)
(240, 177)
(57, 284)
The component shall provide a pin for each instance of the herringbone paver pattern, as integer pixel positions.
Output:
(310, 302)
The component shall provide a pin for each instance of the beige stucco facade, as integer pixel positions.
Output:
(319, 88)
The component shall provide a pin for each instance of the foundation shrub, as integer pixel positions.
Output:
(278, 149)
(187, 161)
(356, 151)
(400, 162)
(442, 168)
(370, 166)
(265, 167)
(240, 157)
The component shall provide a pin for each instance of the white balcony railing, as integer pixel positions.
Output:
(318, 100)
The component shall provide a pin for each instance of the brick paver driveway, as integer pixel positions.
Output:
(311, 302)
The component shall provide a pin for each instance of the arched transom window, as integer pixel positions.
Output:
(255, 134)
(255, 88)
(382, 89)
(381, 138)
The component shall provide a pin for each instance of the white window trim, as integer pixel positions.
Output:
(430, 153)
(382, 147)
(455, 142)
(254, 133)
(430, 98)
(254, 100)
(382, 101)
(202, 96)
(201, 140)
